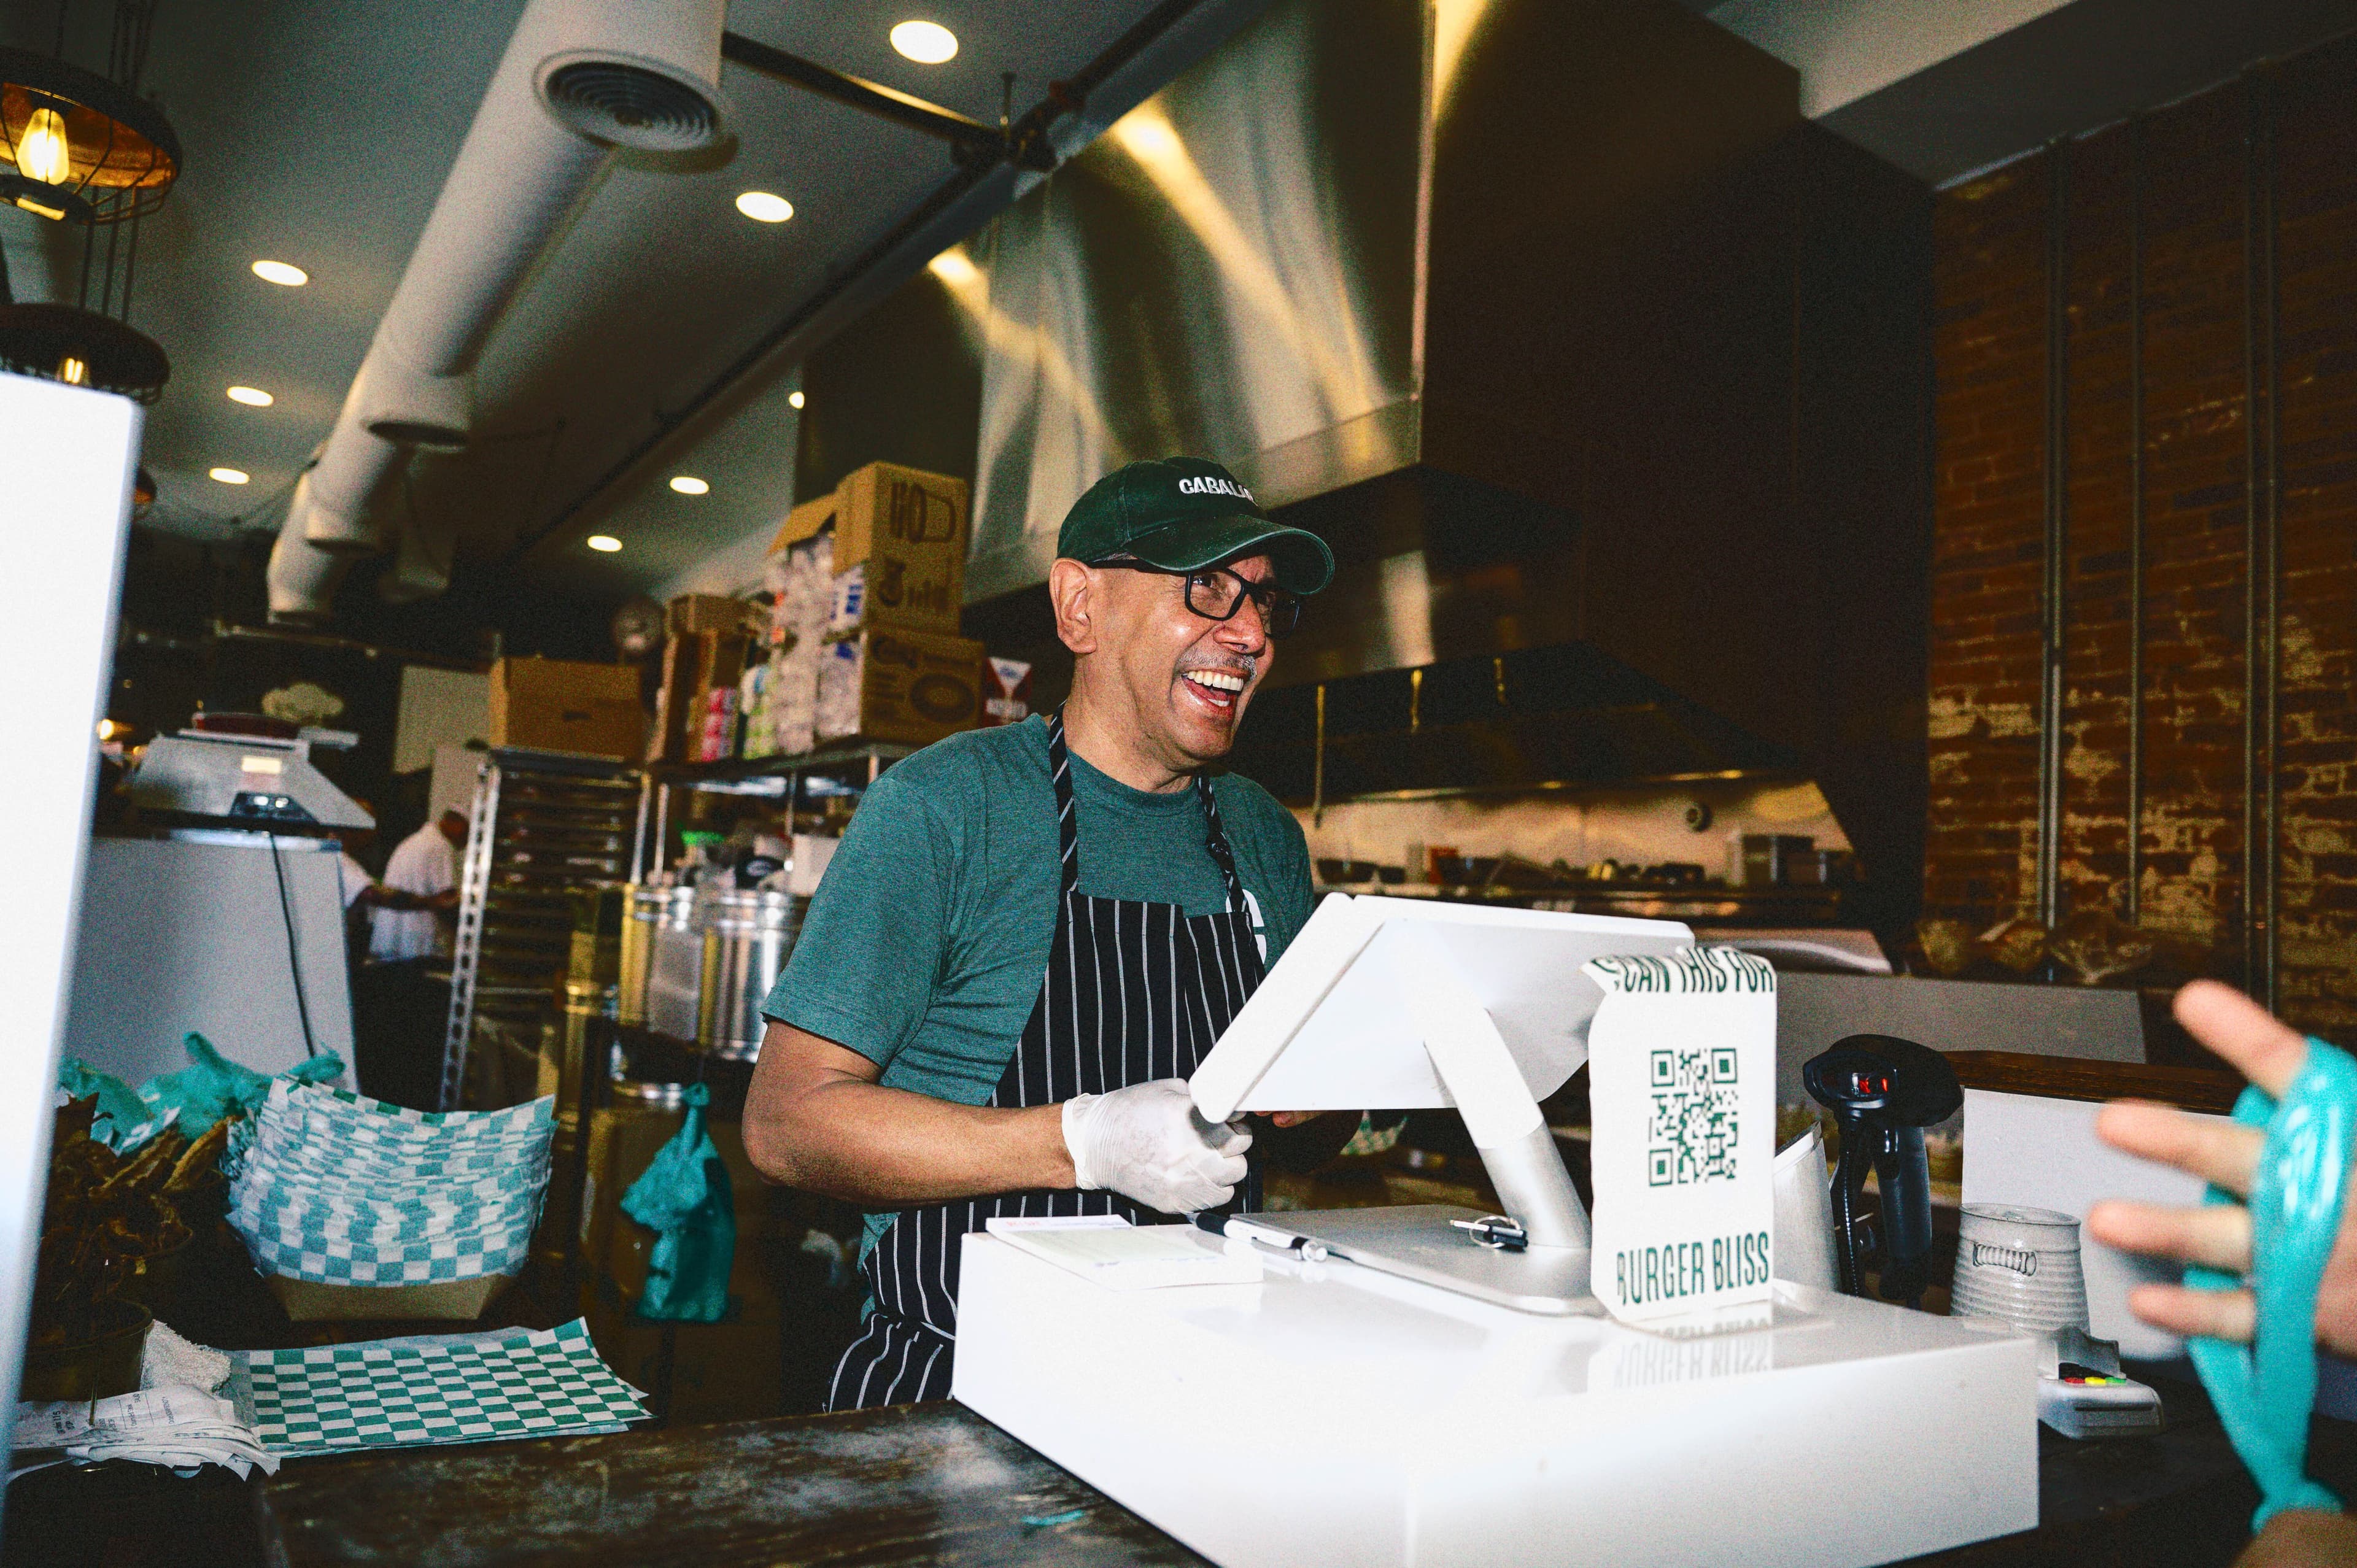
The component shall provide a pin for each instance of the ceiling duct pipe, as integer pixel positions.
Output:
(421, 558)
(580, 78)
(302, 579)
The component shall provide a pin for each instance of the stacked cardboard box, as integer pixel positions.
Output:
(553, 704)
(704, 659)
(862, 636)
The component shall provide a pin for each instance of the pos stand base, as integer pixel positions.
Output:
(1417, 1242)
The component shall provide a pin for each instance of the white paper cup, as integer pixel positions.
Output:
(2021, 1266)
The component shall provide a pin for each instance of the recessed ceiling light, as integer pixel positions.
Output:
(926, 43)
(604, 543)
(954, 267)
(280, 272)
(794, 400)
(231, 475)
(688, 485)
(763, 207)
(252, 397)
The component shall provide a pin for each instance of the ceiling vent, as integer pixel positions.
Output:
(625, 104)
(579, 79)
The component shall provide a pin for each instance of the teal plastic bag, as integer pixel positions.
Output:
(120, 1120)
(685, 1199)
(211, 1086)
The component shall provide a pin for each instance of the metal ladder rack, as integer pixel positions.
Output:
(545, 825)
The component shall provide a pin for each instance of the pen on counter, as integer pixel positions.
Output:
(1302, 1247)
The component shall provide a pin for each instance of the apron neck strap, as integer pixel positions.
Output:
(1068, 826)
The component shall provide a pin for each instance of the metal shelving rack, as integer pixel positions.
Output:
(546, 825)
(655, 816)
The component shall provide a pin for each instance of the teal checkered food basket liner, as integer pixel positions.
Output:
(332, 1399)
(338, 1188)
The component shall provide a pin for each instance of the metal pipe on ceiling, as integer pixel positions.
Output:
(888, 248)
(2053, 600)
(579, 79)
(970, 141)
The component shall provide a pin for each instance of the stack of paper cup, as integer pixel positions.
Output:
(2021, 1266)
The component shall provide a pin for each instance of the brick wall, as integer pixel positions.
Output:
(1991, 288)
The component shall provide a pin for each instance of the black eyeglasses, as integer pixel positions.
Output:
(1217, 593)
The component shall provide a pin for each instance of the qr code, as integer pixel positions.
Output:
(1691, 1135)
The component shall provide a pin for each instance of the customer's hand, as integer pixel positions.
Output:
(1146, 1142)
(2270, 1054)
(2303, 1538)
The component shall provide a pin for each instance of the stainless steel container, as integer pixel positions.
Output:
(642, 911)
(747, 937)
(675, 966)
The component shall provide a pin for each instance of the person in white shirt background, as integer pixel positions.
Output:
(425, 867)
(400, 999)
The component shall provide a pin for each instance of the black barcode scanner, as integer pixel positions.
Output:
(1883, 1092)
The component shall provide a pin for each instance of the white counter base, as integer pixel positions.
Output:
(1331, 1415)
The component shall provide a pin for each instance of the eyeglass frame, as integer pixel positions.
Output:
(1264, 596)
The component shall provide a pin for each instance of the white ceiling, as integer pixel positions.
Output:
(319, 132)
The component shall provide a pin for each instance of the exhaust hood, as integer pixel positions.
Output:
(1563, 328)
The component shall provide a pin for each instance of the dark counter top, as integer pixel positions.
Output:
(935, 1483)
(912, 1484)
(923, 1484)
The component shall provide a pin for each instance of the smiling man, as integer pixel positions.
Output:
(1030, 935)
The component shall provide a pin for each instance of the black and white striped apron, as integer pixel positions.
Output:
(1133, 992)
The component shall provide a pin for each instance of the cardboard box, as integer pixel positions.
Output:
(691, 613)
(444, 1301)
(554, 704)
(900, 541)
(695, 665)
(911, 688)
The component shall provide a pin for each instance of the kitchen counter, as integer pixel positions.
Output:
(929, 1483)
(935, 1483)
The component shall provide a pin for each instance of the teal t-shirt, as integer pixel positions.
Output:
(926, 942)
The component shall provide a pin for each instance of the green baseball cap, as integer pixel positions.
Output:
(1183, 514)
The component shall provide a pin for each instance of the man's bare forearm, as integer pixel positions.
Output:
(816, 1119)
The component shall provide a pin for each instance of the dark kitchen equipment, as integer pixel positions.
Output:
(1335, 873)
(1465, 870)
(1772, 860)
(1883, 1092)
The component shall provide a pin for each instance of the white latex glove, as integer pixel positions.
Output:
(1147, 1142)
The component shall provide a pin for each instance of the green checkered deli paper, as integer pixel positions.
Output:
(330, 1398)
(1681, 1089)
(337, 1188)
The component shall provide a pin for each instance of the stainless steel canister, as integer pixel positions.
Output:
(642, 911)
(675, 966)
(747, 937)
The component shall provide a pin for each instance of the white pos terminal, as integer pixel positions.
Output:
(1416, 1396)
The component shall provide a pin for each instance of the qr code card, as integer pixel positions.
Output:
(1682, 1069)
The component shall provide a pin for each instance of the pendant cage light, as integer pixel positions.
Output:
(87, 150)
(80, 148)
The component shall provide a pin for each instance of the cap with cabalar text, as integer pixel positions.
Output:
(1183, 514)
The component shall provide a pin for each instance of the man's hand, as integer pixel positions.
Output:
(1147, 1142)
(2269, 1054)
